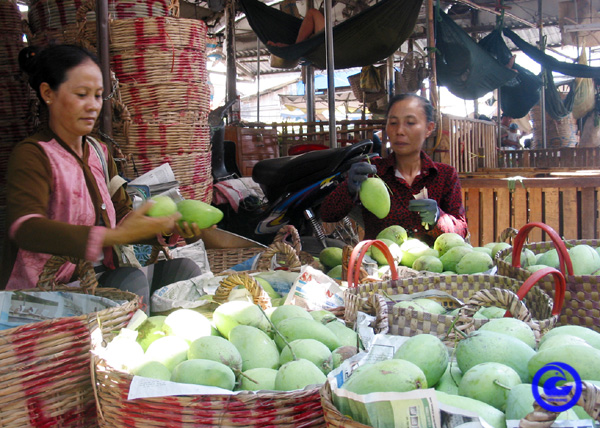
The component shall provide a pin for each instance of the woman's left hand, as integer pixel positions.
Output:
(427, 208)
(189, 232)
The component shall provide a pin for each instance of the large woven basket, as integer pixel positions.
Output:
(293, 409)
(45, 371)
(538, 309)
(582, 294)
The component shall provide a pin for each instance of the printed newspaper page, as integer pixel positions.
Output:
(19, 307)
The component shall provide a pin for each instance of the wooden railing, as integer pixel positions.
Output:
(348, 132)
(566, 157)
(467, 144)
(568, 204)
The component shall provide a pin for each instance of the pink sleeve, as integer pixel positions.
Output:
(94, 245)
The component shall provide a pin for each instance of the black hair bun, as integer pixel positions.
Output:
(28, 58)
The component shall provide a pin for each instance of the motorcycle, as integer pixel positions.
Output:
(294, 188)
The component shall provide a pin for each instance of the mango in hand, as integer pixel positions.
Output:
(201, 213)
(163, 206)
(375, 197)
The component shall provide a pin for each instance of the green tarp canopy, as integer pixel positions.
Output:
(364, 39)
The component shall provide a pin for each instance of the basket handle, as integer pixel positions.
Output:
(559, 283)
(289, 231)
(543, 418)
(357, 255)
(291, 257)
(83, 270)
(259, 295)
(566, 266)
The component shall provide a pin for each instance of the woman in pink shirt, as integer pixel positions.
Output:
(58, 200)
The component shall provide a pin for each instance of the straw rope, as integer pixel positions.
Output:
(259, 295)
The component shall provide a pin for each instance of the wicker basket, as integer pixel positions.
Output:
(582, 294)
(333, 417)
(293, 409)
(221, 259)
(45, 371)
(501, 291)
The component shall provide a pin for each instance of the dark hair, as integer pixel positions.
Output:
(424, 102)
(51, 64)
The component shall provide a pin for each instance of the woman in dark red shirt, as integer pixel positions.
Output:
(407, 171)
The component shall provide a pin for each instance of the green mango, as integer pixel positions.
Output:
(201, 213)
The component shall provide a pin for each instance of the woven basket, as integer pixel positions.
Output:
(582, 294)
(160, 33)
(333, 417)
(45, 371)
(293, 409)
(369, 97)
(222, 259)
(406, 322)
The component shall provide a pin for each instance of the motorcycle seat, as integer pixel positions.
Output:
(286, 174)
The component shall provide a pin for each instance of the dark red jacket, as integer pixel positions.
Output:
(442, 183)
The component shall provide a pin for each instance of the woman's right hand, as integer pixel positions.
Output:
(137, 226)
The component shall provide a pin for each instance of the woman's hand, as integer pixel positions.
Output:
(190, 232)
(137, 226)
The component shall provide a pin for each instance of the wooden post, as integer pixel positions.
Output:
(433, 94)
(104, 58)
(231, 88)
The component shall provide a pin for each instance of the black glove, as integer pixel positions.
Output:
(357, 174)
(427, 208)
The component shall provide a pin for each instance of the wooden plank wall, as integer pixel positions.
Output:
(568, 204)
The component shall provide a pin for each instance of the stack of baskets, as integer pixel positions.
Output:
(582, 295)
(164, 99)
(45, 372)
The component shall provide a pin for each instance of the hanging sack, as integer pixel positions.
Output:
(585, 97)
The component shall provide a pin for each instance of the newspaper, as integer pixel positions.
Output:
(20, 307)
(314, 290)
(160, 181)
(142, 387)
(187, 294)
(413, 409)
(418, 408)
